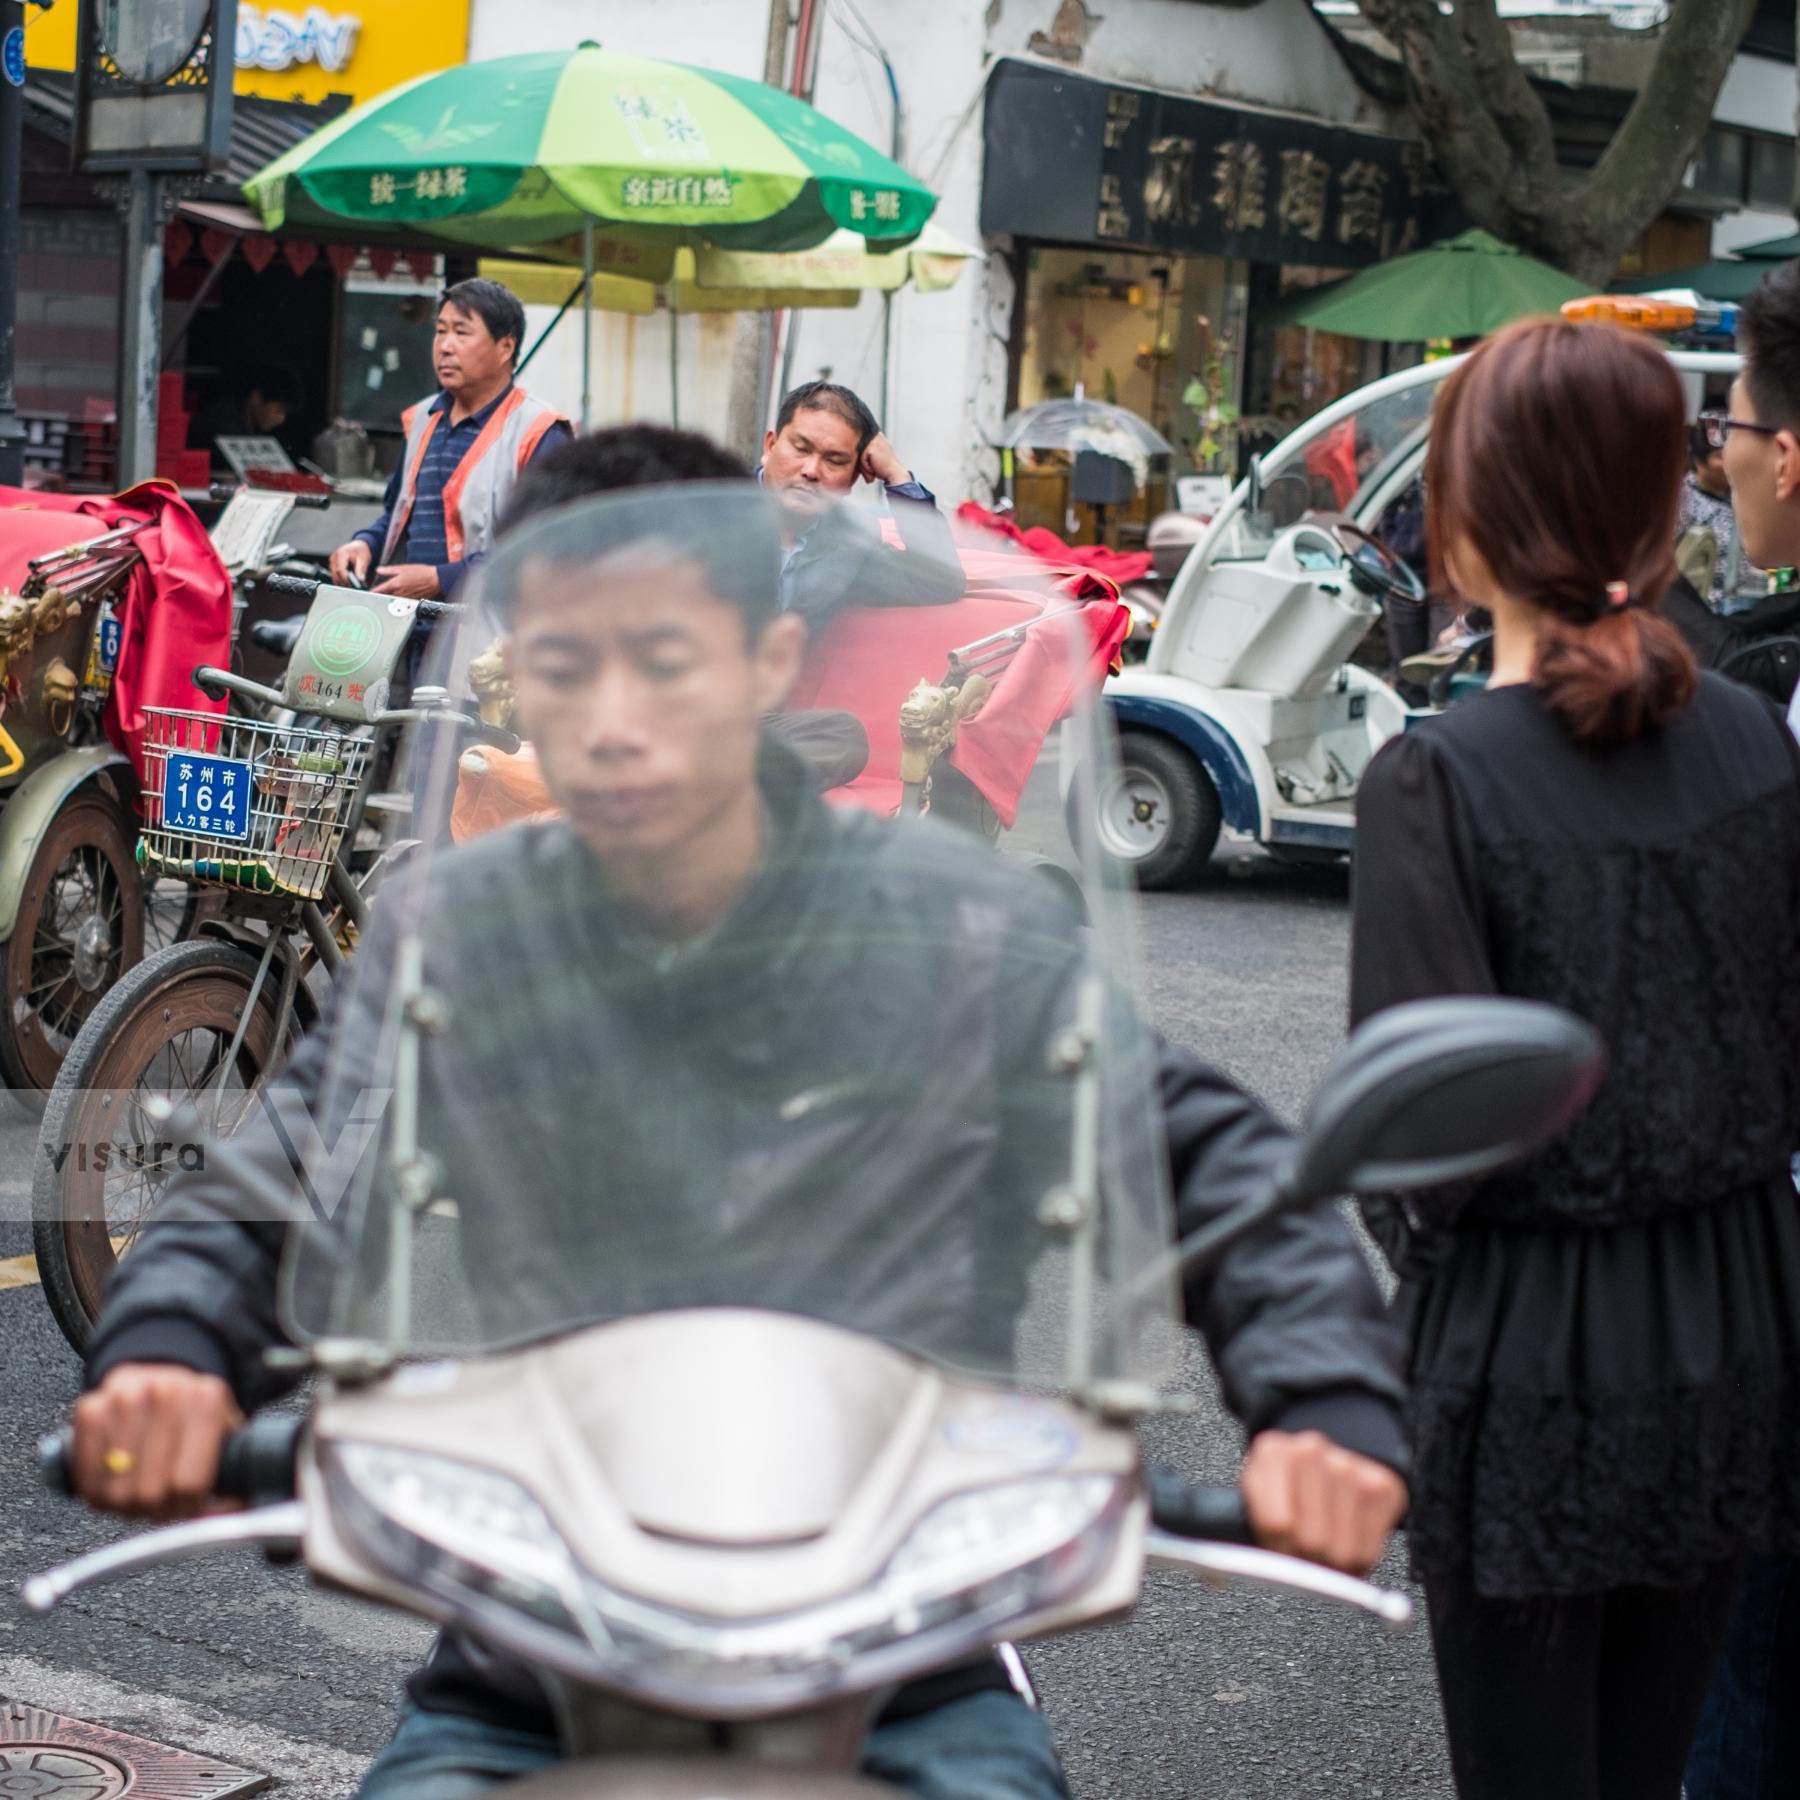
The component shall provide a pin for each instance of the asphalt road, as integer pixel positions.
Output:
(1246, 1696)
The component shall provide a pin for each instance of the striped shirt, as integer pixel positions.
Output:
(426, 539)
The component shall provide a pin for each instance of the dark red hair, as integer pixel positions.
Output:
(1558, 452)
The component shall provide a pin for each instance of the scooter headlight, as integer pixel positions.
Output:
(467, 1534)
(973, 1566)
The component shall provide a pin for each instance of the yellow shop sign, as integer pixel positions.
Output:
(303, 52)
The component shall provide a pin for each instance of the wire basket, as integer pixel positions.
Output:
(238, 803)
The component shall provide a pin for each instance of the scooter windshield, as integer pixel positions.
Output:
(761, 973)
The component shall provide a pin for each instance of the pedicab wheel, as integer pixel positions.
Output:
(165, 1030)
(1156, 813)
(80, 926)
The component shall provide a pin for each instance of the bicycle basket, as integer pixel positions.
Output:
(242, 804)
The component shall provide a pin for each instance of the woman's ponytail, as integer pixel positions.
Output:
(1626, 673)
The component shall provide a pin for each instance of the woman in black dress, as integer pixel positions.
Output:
(1605, 1341)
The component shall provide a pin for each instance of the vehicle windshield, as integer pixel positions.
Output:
(1321, 473)
(654, 1026)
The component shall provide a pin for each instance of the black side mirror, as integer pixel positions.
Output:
(1445, 1090)
(1431, 1092)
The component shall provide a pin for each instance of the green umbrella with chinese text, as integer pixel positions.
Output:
(1465, 287)
(528, 151)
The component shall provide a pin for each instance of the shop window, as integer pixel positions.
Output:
(1771, 186)
(1719, 170)
(1157, 335)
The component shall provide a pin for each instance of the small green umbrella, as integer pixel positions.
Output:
(1465, 287)
(529, 150)
(1726, 278)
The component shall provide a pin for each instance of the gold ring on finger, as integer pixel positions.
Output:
(119, 1462)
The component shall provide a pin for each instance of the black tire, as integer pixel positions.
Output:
(1158, 815)
(191, 991)
(80, 927)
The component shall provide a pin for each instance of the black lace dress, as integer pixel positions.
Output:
(1606, 1341)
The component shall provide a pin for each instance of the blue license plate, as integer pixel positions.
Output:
(112, 635)
(208, 795)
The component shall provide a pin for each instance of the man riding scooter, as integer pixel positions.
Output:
(707, 929)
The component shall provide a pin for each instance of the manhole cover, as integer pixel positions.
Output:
(44, 1756)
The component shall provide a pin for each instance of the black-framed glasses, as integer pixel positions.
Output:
(1718, 426)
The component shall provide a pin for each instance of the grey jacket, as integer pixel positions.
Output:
(781, 1000)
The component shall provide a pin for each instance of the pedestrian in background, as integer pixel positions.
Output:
(1605, 1416)
(1711, 552)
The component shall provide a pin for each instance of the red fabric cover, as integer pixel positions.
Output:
(176, 609)
(1334, 457)
(870, 658)
(1120, 566)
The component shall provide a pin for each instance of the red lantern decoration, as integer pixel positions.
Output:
(215, 245)
(259, 251)
(382, 262)
(178, 240)
(342, 258)
(422, 263)
(299, 254)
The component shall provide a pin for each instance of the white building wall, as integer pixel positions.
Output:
(947, 374)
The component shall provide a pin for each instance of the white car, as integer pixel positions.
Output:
(1247, 720)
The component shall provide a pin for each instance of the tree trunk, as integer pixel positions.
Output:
(1494, 142)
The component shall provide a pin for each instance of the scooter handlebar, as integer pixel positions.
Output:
(1215, 1515)
(257, 1462)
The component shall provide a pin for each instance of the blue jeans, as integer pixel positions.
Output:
(1748, 1744)
(986, 1746)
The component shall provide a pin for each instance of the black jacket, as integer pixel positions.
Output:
(844, 561)
(783, 1000)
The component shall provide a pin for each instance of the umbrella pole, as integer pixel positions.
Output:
(887, 356)
(562, 312)
(587, 317)
(674, 359)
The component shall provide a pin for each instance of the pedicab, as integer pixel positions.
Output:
(959, 701)
(100, 600)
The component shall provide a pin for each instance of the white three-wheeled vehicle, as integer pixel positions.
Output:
(1247, 719)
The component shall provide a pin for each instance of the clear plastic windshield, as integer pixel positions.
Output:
(1322, 472)
(761, 973)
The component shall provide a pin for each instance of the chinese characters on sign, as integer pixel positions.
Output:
(207, 794)
(660, 124)
(882, 204)
(672, 190)
(427, 184)
(1240, 187)
(1195, 177)
(1362, 189)
(1305, 193)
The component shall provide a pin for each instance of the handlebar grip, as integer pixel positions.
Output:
(213, 690)
(299, 586)
(257, 1462)
(56, 1461)
(1215, 1514)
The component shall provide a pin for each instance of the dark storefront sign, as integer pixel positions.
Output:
(1078, 161)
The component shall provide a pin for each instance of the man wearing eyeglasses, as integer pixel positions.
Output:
(1747, 1746)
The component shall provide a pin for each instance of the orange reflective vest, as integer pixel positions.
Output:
(476, 494)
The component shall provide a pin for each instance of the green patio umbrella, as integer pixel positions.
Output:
(1725, 278)
(525, 151)
(1466, 286)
